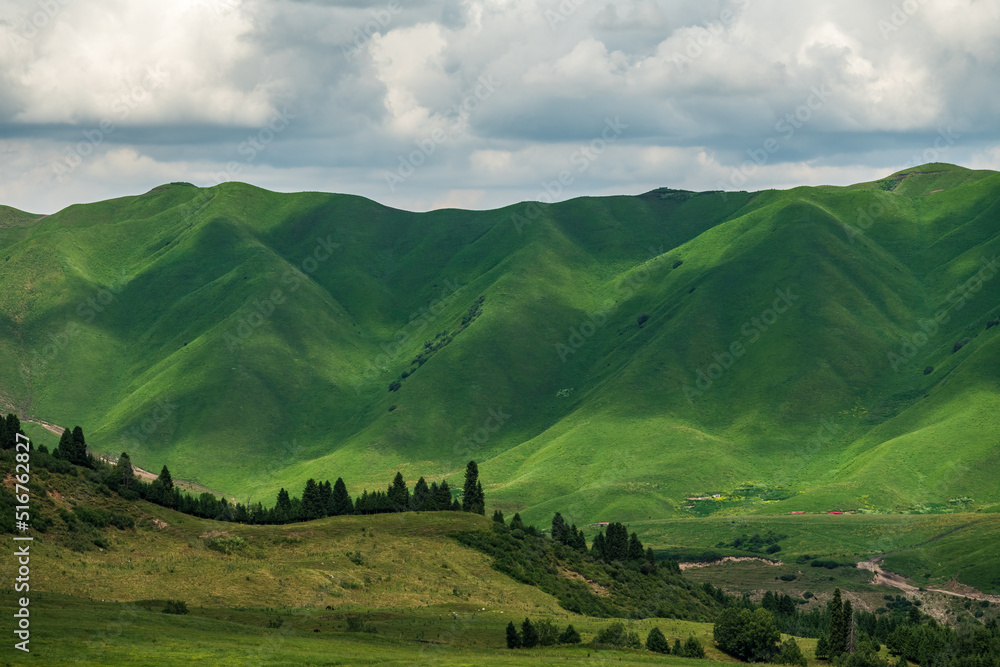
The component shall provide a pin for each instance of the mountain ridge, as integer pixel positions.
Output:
(275, 323)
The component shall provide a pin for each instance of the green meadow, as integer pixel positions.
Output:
(779, 355)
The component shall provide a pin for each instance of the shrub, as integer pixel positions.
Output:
(694, 649)
(641, 319)
(396, 384)
(790, 654)
(226, 545)
(928, 370)
(529, 636)
(616, 635)
(547, 632)
(178, 607)
(657, 642)
(788, 577)
(747, 635)
(570, 636)
(357, 623)
(960, 344)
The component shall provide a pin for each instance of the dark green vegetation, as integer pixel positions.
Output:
(616, 579)
(247, 339)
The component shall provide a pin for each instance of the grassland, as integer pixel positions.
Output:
(247, 339)
(70, 630)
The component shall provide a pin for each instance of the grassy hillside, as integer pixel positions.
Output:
(801, 341)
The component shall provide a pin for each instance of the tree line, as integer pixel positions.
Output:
(317, 500)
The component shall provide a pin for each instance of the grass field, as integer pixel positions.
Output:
(69, 630)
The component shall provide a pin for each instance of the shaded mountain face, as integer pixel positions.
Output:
(821, 348)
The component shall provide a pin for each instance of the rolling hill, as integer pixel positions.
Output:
(822, 348)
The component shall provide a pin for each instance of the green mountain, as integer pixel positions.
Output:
(603, 357)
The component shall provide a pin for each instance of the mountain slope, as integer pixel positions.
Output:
(248, 339)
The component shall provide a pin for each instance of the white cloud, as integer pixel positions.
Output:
(700, 85)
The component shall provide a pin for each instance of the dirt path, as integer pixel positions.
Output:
(727, 559)
(883, 578)
(144, 475)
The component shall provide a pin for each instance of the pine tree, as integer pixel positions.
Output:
(79, 447)
(472, 492)
(399, 495)
(597, 548)
(651, 556)
(444, 497)
(579, 540)
(529, 637)
(693, 648)
(498, 517)
(124, 473)
(9, 428)
(312, 505)
(516, 523)
(282, 507)
(849, 634)
(431, 504)
(615, 543)
(558, 528)
(657, 642)
(341, 499)
(166, 480)
(635, 551)
(421, 495)
(569, 636)
(678, 649)
(837, 642)
(456, 506)
(513, 639)
(822, 647)
(326, 498)
(480, 506)
(64, 450)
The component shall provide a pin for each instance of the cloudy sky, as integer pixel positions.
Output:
(424, 104)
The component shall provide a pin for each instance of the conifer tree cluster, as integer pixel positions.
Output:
(539, 633)
(73, 448)
(9, 428)
(614, 544)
